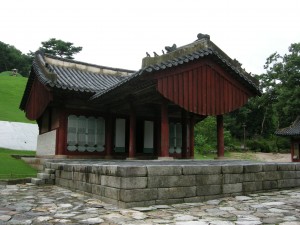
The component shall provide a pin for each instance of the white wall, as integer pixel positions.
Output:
(46, 144)
(18, 136)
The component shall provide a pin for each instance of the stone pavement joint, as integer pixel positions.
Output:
(30, 204)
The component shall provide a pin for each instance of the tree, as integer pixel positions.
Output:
(284, 72)
(60, 48)
(12, 58)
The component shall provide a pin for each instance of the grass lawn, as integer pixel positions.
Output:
(228, 155)
(11, 168)
(11, 92)
(209, 156)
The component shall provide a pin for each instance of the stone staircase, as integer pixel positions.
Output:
(37, 163)
(45, 177)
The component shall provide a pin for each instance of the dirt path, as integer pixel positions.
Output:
(273, 157)
(261, 156)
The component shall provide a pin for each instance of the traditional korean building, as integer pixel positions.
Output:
(293, 132)
(86, 110)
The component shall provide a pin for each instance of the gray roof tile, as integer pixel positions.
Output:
(293, 130)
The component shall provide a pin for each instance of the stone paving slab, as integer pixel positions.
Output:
(28, 204)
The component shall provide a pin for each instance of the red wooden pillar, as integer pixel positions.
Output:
(220, 136)
(192, 139)
(184, 134)
(164, 124)
(108, 136)
(61, 134)
(132, 133)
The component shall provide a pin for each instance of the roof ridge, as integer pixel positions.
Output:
(46, 55)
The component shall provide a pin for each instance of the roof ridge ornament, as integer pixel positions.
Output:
(203, 36)
(171, 48)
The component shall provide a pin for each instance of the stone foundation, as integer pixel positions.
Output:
(143, 183)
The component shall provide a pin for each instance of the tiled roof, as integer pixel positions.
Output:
(210, 51)
(77, 76)
(72, 75)
(293, 130)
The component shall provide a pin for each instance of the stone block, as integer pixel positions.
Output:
(297, 166)
(272, 175)
(297, 173)
(66, 175)
(171, 181)
(270, 167)
(201, 170)
(47, 165)
(176, 192)
(169, 201)
(248, 177)
(111, 181)
(287, 175)
(97, 190)
(82, 168)
(209, 179)
(137, 195)
(109, 200)
(49, 171)
(131, 171)
(57, 166)
(259, 176)
(194, 199)
(232, 188)
(270, 184)
(254, 168)
(97, 169)
(133, 182)
(83, 186)
(232, 169)
(233, 178)
(286, 166)
(286, 183)
(68, 167)
(43, 176)
(110, 170)
(164, 170)
(252, 186)
(94, 178)
(109, 192)
(209, 190)
(37, 181)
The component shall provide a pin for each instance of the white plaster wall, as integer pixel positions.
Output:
(46, 144)
(18, 136)
(148, 134)
(120, 133)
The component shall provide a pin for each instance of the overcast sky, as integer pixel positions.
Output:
(118, 33)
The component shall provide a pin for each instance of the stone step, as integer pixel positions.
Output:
(43, 176)
(37, 163)
(37, 181)
(49, 171)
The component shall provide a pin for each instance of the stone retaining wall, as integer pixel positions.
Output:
(144, 185)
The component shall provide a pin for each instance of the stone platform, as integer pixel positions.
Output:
(143, 183)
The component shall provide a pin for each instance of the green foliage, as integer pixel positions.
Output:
(15, 168)
(206, 136)
(60, 48)
(278, 106)
(11, 92)
(12, 58)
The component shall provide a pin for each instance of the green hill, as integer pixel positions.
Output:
(11, 92)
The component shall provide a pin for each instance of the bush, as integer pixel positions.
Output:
(258, 145)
